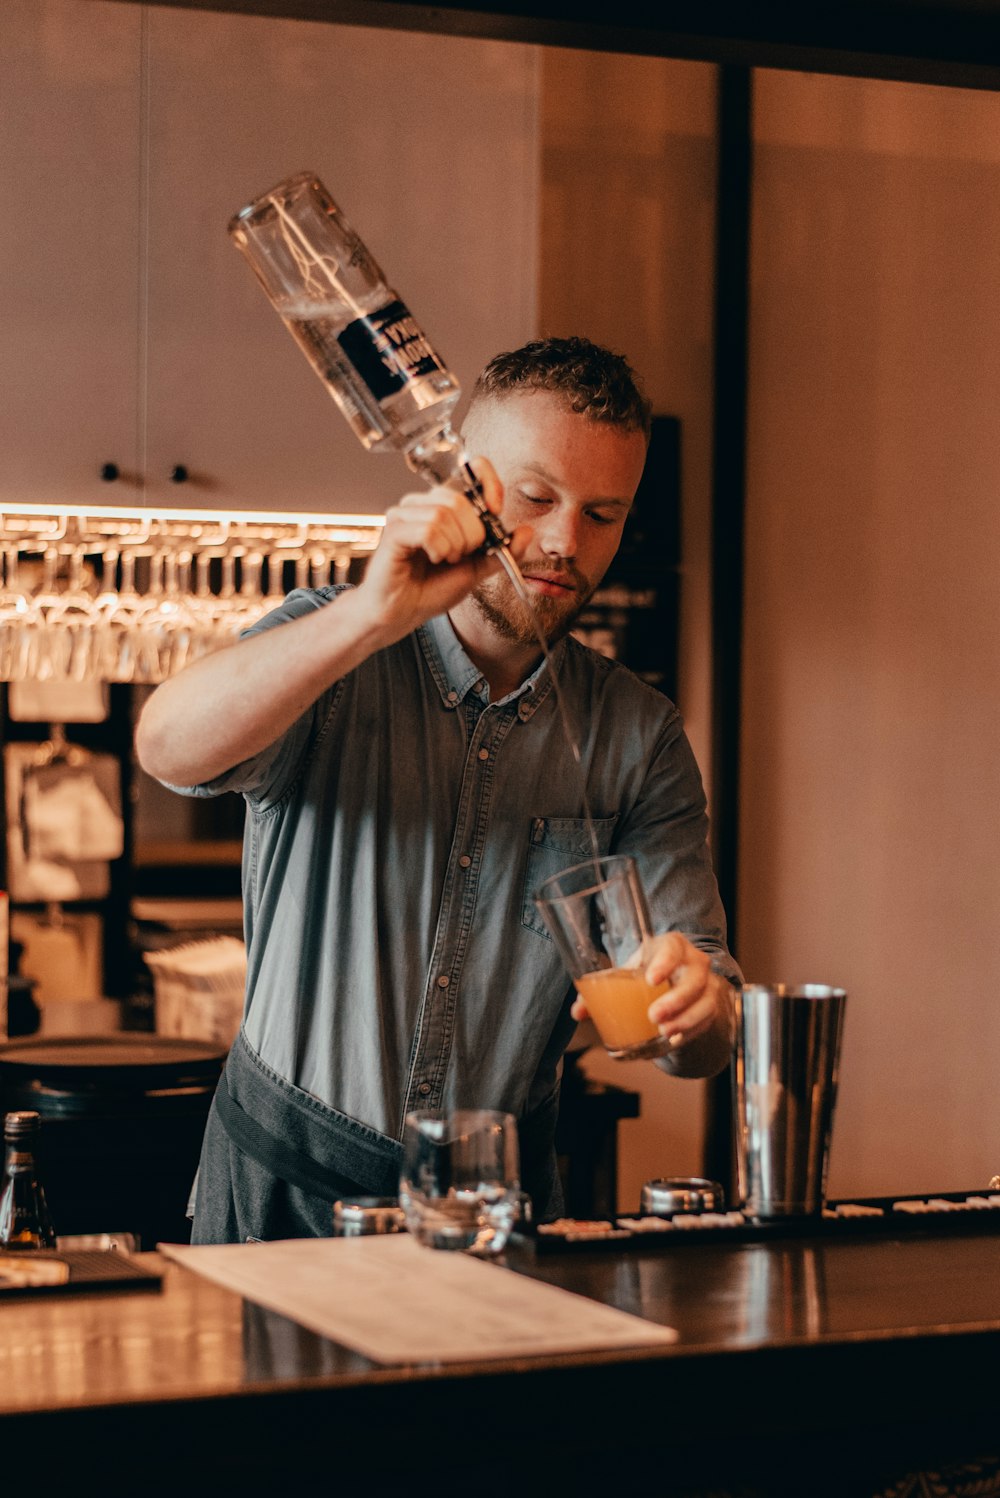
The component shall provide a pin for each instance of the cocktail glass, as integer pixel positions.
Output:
(596, 913)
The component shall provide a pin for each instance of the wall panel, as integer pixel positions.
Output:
(628, 224)
(870, 814)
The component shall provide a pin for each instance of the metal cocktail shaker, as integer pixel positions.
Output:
(785, 1089)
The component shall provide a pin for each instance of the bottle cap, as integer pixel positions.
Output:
(17, 1124)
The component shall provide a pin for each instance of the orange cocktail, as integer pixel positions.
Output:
(618, 1000)
(596, 914)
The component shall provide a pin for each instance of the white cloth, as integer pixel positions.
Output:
(67, 816)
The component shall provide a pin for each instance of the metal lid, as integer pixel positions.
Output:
(675, 1194)
(122, 1056)
(358, 1216)
(98, 1075)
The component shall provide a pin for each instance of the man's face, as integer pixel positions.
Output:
(572, 480)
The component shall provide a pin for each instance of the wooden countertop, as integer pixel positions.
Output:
(864, 1355)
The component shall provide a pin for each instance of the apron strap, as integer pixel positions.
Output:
(377, 1165)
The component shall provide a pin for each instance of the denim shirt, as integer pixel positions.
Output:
(395, 836)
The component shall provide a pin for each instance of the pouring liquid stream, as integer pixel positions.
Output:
(520, 588)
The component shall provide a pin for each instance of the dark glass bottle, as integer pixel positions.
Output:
(24, 1216)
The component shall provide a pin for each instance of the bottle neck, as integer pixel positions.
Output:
(19, 1158)
(440, 458)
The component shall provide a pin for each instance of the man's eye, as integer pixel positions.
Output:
(599, 518)
(534, 499)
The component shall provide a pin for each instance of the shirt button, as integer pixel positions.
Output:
(424, 1089)
(464, 861)
(484, 754)
(443, 981)
(452, 698)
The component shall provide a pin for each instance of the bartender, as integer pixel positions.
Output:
(409, 784)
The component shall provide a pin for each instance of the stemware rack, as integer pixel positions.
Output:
(112, 594)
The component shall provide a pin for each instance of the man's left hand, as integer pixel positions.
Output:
(689, 1007)
(695, 1011)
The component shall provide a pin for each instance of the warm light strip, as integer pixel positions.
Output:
(222, 517)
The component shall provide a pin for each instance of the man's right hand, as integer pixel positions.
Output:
(429, 557)
(230, 705)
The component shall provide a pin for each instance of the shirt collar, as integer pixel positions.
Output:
(456, 676)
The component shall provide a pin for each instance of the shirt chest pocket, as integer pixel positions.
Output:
(554, 844)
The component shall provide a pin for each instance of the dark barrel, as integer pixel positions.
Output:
(122, 1118)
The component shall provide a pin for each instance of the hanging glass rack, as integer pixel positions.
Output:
(114, 594)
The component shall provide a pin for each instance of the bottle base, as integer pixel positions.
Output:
(643, 1050)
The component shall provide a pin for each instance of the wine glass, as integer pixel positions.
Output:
(459, 1184)
(121, 611)
(167, 625)
(66, 650)
(15, 638)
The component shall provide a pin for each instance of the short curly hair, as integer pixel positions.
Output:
(593, 381)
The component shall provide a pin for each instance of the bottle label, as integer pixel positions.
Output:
(389, 350)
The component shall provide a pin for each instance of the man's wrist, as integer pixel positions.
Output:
(367, 622)
(707, 1055)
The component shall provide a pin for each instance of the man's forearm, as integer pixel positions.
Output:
(230, 705)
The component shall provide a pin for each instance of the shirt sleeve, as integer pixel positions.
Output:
(666, 831)
(265, 777)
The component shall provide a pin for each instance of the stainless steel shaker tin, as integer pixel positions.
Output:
(360, 1216)
(673, 1195)
(785, 1074)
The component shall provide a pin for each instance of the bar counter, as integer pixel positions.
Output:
(806, 1365)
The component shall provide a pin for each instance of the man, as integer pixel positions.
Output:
(409, 785)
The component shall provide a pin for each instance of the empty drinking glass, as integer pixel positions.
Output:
(460, 1185)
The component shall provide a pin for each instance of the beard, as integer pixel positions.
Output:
(512, 619)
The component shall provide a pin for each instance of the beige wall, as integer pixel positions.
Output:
(870, 823)
(627, 258)
(133, 333)
(628, 219)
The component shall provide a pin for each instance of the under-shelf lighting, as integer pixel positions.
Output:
(362, 529)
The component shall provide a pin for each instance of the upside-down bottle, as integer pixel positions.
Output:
(24, 1215)
(359, 336)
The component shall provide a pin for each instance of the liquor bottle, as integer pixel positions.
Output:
(359, 336)
(24, 1216)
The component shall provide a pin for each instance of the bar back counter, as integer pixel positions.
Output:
(807, 1363)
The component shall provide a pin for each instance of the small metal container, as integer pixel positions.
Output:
(673, 1195)
(359, 1216)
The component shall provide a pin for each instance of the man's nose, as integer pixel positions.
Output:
(559, 536)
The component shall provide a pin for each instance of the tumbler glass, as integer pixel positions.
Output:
(459, 1185)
